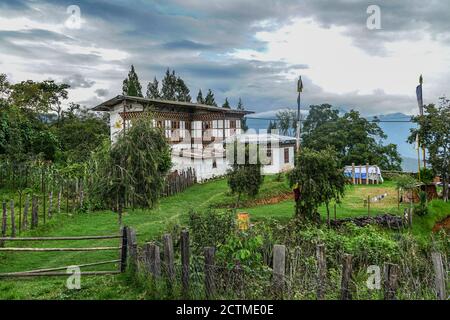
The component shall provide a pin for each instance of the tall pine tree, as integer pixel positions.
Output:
(153, 90)
(209, 100)
(182, 92)
(241, 107)
(226, 104)
(131, 85)
(200, 97)
(169, 83)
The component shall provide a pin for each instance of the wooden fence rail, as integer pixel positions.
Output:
(127, 252)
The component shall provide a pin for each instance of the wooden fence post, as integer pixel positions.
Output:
(132, 247)
(360, 174)
(439, 275)
(50, 204)
(59, 200)
(4, 223)
(279, 268)
(184, 244)
(20, 212)
(210, 286)
(353, 173)
(346, 277)
(168, 257)
(13, 220)
(367, 173)
(391, 272)
(368, 206)
(25, 213)
(321, 271)
(123, 250)
(152, 259)
(34, 213)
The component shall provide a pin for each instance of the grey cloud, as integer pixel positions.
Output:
(185, 45)
(102, 93)
(78, 81)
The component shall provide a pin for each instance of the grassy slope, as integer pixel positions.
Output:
(150, 224)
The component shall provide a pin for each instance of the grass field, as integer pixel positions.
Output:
(150, 224)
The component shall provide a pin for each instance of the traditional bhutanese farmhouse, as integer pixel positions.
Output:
(197, 133)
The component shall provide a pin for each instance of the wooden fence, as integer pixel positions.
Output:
(165, 269)
(32, 210)
(179, 181)
(127, 247)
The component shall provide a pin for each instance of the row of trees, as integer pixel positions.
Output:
(33, 124)
(173, 89)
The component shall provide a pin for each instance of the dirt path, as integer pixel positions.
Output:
(443, 224)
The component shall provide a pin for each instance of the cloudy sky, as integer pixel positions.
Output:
(253, 49)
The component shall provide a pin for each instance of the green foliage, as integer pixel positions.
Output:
(287, 121)
(426, 175)
(245, 178)
(244, 125)
(153, 90)
(200, 97)
(422, 208)
(137, 164)
(242, 249)
(209, 99)
(226, 104)
(79, 133)
(173, 88)
(319, 179)
(434, 133)
(355, 139)
(131, 85)
(405, 182)
(211, 228)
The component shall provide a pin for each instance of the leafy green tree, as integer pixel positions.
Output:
(226, 104)
(137, 164)
(241, 107)
(271, 126)
(319, 179)
(153, 90)
(355, 139)
(200, 97)
(434, 133)
(209, 99)
(39, 97)
(319, 115)
(287, 121)
(80, 133)
(131, 85)
(246, 178)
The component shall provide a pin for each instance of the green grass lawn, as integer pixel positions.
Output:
(150, 224)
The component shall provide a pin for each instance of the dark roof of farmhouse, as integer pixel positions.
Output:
(189, 106)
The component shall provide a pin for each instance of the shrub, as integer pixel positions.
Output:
(211, 228)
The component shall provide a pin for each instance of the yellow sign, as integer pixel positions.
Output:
(243, 220)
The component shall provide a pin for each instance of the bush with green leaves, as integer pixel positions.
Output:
(245, 179)
(422, 208)
(319, 179)
(135, 167)
(211, 228)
